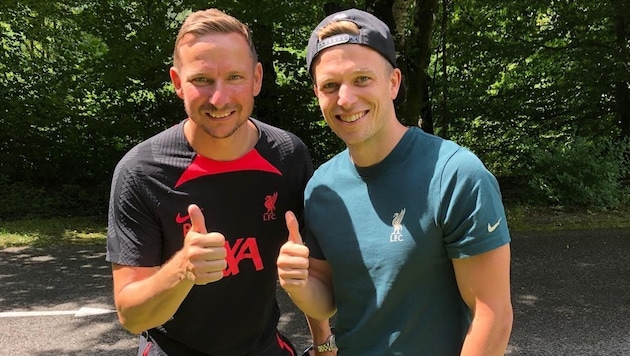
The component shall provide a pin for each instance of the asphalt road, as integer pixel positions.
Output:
(571, 296)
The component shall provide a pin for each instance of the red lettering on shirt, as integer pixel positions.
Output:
(243, 249)
(186, 227)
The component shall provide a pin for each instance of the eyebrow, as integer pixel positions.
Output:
(355, 72)
(364, 70)
(204, 73)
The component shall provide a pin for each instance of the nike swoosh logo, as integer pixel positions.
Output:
(491, 228)
(182, 219)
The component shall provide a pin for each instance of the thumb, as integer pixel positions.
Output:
(197, 219)
(294, 228)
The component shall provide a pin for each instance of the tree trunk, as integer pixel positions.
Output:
(445, 114)
(267, 100)
(419, 53)
(411, 23)
(622, 96)
(622, 92)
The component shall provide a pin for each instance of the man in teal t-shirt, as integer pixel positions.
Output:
(406, 235)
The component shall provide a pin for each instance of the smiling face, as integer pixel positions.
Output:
(355, 87)
(217, 77)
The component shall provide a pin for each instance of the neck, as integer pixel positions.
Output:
(375, 150)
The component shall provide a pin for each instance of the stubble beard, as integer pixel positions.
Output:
(214, 133)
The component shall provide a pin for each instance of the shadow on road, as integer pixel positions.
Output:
(571, 296)
(571, 293)
(68, 278)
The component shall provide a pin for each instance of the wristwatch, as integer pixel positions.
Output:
(329, 345)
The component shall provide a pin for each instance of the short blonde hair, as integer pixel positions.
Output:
(210, 21)
(338, 28)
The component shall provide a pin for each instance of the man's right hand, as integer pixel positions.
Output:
(204, 253)
(293, 258)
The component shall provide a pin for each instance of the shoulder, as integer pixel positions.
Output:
(330, 170)
(275, 138)
(432, 145)
(465, 164)
(275, 134)
(153, 152)
(446, 155)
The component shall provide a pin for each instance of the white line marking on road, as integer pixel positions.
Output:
(84, 311)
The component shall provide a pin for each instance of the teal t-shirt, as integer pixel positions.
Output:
(389, 232)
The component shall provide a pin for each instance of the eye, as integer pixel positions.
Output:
(362, 79)
(235, 77)
(329, 87)
(200, 81)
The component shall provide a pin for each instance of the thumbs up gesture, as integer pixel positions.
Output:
(204, 253)
(293, 258)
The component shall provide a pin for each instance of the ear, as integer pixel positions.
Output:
(258, 75)
(395, 79)
(177, 82)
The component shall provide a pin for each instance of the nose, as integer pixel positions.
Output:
(346, 96)
(219, 95)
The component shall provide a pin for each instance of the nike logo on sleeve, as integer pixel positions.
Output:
(491, 228)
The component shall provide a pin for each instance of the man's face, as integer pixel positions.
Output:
(218, 79)
(355, 87)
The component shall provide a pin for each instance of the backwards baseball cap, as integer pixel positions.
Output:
(373, 33)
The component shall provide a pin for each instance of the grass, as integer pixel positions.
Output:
(527, 218)
(45, 232)
(93, 230)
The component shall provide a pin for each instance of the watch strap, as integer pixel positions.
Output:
(329, 345)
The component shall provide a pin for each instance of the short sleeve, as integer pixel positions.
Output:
(472, 214)
(133, 234)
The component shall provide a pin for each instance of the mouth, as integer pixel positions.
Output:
(219, 115)
(351, 118)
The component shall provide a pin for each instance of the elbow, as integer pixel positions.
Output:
(130, 329)
(129, 325)
(501, 329)
(489, 332)
(507, 321)
(137, 323)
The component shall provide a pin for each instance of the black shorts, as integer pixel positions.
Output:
(148, 346)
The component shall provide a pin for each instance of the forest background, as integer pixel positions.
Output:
(539, 90)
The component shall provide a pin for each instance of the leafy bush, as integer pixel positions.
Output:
(582, 171)
(22, 201)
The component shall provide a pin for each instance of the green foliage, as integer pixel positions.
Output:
(579, 171)
(81, 82)
(24, 201)
(522, 70)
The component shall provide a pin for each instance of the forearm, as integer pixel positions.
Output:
(152, 301)
(320, 330)
(321, 333)
(489, 334)
(315, 299)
